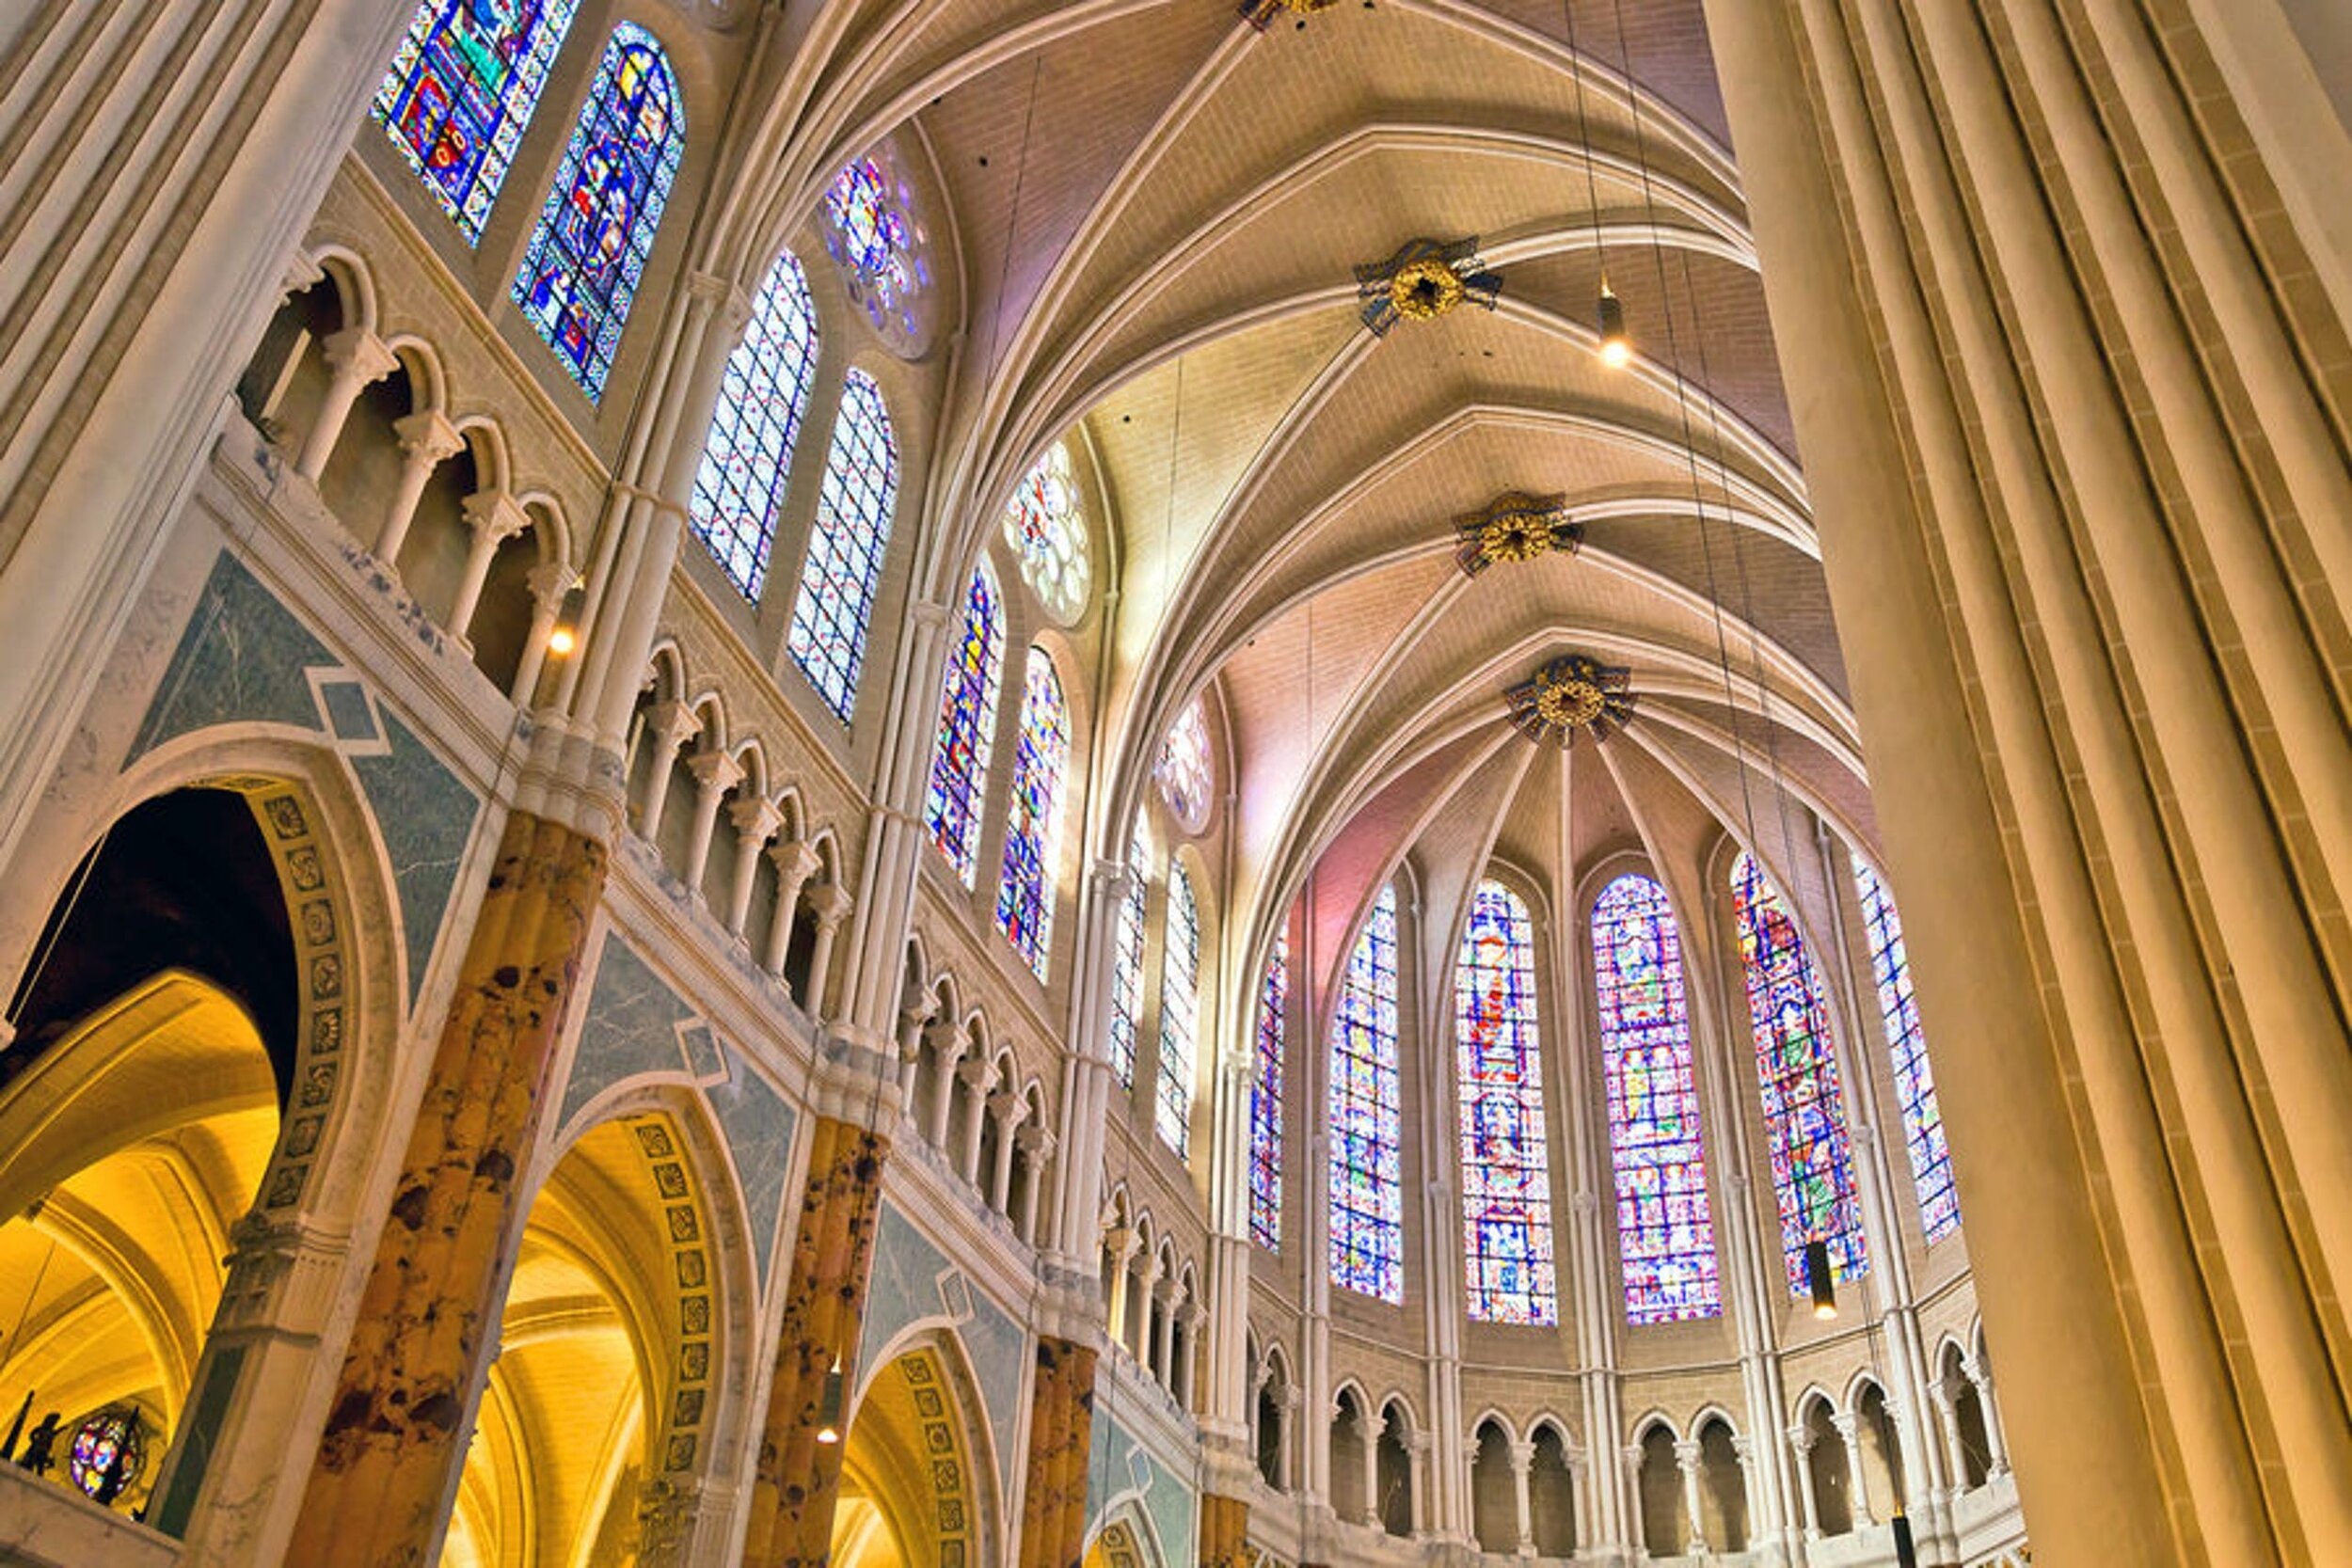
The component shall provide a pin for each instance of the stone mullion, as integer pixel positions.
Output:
(797, 1478)
(379, 1491)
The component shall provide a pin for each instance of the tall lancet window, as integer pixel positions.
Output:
(1367, 1117)
(1024, 894)
(747, 456)
(1665, 1229)
(854, 507)
(1805, 1106)
(967, 727)
(1265, 1100)
(582, 266)
(1915, 1085)
(1127, 963)
(1507, 1174)
(1180, 1013)
(460, 94)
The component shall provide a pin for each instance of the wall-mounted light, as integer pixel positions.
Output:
(829, 1406)
(1906, 1555)
(1616, 345)
(561, 642)
(1818, 1280)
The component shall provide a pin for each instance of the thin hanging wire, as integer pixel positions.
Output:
(55, 934)
(1585, 139)
(1012, 219)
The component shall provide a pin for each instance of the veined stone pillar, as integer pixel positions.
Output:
(380, 1490)
(1061, 1434)
(797, 1478)
(1224, 1532)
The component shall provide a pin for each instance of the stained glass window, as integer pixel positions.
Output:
(1367, 1117)
(1127, 965)
(1804, 1107)
(1025, 894)
(747, 456)
(871, 230)
(115, 1439)
(854, 507)
(581, 269)
(1265, 1100)
(1665, 1228)
(1182, 768)
(460, 93)
(1044, 522)
(1180, 1013)
(967, 727)
(1915, 1085)
(1506, 1176)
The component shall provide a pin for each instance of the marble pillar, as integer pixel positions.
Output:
(1061, 1432)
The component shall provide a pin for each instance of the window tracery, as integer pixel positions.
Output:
(1665, 1229)
(1184, 769)
(873, 233)
(1506, 1177)
(1180, 1013)
(1804, 1108)
(755, 428)
(1367, 1242)
(1265, 1100)
(967, 727)
(1914, 1084)
(588, 253)
(1046, 524)
(854, 508)
(1025, 892)
(461, 92)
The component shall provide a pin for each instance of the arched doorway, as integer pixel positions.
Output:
(909, 1493)
(162, 1045)
(594, 1411)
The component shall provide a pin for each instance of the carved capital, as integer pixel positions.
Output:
(548, 582)
(797, 861)
(832, 903)
(357, 354)
(425, 436)
(754, 819)
(715, 771)
(495, 515)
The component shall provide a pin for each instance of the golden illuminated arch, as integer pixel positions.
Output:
(909, 1493)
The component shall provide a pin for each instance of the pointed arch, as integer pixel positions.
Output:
(855, 505)
(1026, 886)
(1366, 1117)
(588, 254)
(1505, 1170)
(755, 428)
(464, 84)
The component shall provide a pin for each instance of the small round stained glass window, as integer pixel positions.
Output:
(1184, 769)
(109, 1450)
(1046, 524)
(875, 235)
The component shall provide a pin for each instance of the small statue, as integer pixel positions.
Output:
(40, 1446)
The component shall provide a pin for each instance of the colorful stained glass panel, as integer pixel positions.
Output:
(747, 455)
(1179, 1014)
(1367, 1117)
(1804, 1103)
(1127, 964)
(1507, 1174)
(872, 233)
(582, 266)
(460, 94)
(967, 727)
(1045, 523)
(1265, 1100)
(1914, 1085)
(854, 507)
(1024, 894)
(1665, 1229)
(1182, 768)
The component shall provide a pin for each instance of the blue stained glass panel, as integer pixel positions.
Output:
(1179, 1014)
(1506, 1175)
(1265, 1100)
(872, 233)
(588, 253)
(1804, 1103)
(967, 727)
(1127, 964)
(1024, 894)
(1665, 1228)
(1367, 1117)
(462, 85)
(1914, 1085)
(854, 508)
(747, 455)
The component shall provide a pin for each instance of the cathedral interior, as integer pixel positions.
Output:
(985, 783)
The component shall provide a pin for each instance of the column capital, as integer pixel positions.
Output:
(495, 515)
(1687, 1455)
(1801, 1438)
(1035, 1140)
(1849, 1425)
(832, 903)
(755, 818)
(928, 613)
(427, 435)
(1111, 879)
(723, 296)
(357, 352)
(1006, 1105)
(548, 582)
(1522, 1457)
(674, 721)
(715, 771)
(978, 1072)
(797, 861)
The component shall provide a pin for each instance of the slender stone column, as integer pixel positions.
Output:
(715, 774)
(1145, 1292)
(1120, 1243)
(493, 517)
(1848, 1427)
(1981, 1375)
(356, 358)
(1687, 1455)
(978, 1076)
(1168, 1295)
(1061, 1431)
(1522, 1459)
(1374, 1428)
(426, 442)
(795, 862)
(797, 1478)
(754, 821)
(1035, 1145)
(668, 726)
(1801, 1444)
(379, 1488)
(549, 582)
(1190, 1317)
(949, 1047)
(1006, 1106)
(830, 904)
(1948, 1410)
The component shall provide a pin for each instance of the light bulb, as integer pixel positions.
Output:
(1616, 346)
(561, 642)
